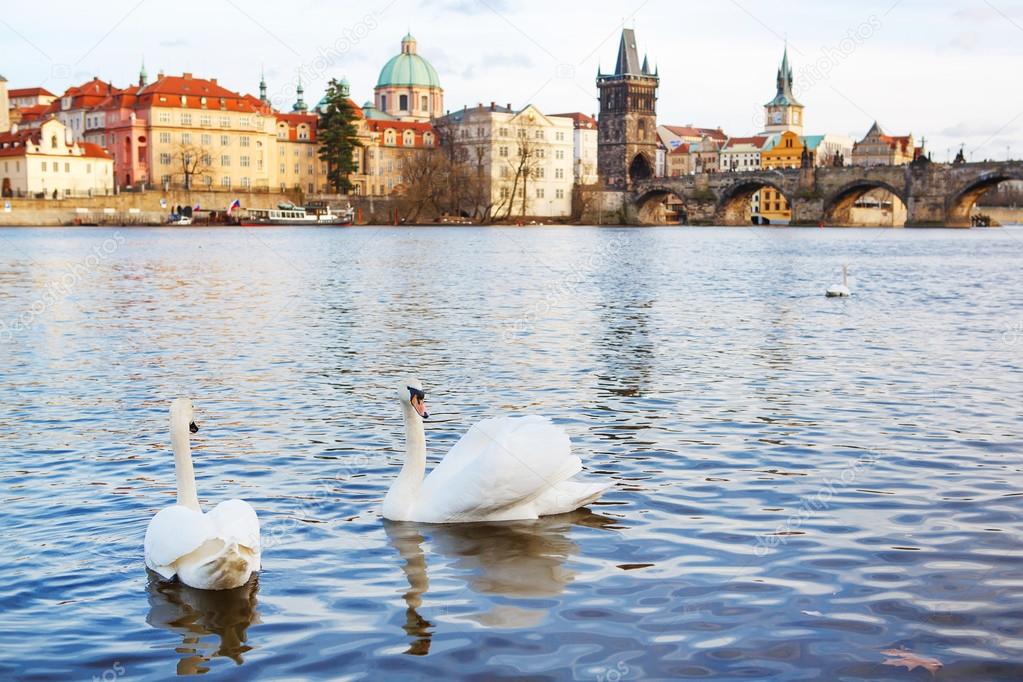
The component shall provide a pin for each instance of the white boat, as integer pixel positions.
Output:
(289, 214)
(180, 221)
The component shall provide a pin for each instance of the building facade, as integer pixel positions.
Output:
(46, 161)
(877, 148)
(29, 97)
(408, 88)
(584, 152)
(742, 154)
(627, 131)
(526, 157)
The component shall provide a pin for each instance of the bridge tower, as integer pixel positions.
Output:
(627, 127)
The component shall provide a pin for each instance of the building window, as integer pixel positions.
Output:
(246, 182)
(403, 102)
(539, 192)
(164, 117)
(559, 194)
(225, 141)
(165, 138)
(503, 151)
(383, 102)
(186, 138)
(207, 139)
(244, 122)
(225, 181)
(245, 162)
(504, 192)
(539, 134)
(205, 120)
(186, 119)
(426, 103)
(540, 172)
(225, 160)
(540, 153)
(165, 159)
(225, 121)
(245, 140)
(559, 173)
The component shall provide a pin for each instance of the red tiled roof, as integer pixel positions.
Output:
(681, 149)
(34, 112)
(755, 141)
(894, 141)
(94, 151)
(294, 120)
(89, 94)
(168, 91)
(690, 131)
(29, 92)
(579, 120)
(418, 127)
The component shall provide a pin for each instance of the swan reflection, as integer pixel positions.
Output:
(196, 614)
(517, 560)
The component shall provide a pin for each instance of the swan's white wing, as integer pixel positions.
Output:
(499, 463)
(236, 521)
(173, 533)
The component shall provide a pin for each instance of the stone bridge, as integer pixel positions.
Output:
(934, 194)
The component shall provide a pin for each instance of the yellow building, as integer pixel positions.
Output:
(787, 152)
(298, 159)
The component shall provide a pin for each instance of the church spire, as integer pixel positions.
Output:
(300, 105)
(143, 77)
(262, 86)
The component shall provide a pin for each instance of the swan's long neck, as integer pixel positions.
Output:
(183, 466)
(845, 275)
(405, 489)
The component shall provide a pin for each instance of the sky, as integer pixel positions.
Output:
(948, 71)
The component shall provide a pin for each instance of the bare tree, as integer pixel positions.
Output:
(192, 161)
(525, 166)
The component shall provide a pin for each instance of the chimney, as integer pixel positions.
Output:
(493, 106)
(509, 106)
(187, 76)
(213, 80)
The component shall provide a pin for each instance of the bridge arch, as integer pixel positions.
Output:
(661, 205)
(961, 202)
(735, 202)
(838, 206)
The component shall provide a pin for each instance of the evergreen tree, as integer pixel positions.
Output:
(338, 137)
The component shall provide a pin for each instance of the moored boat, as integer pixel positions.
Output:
(289, 214)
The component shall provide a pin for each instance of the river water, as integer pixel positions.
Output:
(800, 483)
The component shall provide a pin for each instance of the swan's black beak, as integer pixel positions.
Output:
(193, 427)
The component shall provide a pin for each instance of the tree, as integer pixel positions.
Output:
(338, 137)
(524, 166)
(192, 161)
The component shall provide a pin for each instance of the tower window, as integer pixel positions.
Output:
(403, 102)
(426, 103)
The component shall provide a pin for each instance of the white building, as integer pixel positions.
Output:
(742, 154)
(584, 143)
(824, 148)
(526, 156)
(45, 160)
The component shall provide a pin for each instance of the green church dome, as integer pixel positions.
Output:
(408, 68)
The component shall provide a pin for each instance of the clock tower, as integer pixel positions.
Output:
(784, 113)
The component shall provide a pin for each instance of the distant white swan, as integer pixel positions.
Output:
(837, 290)
(503, 469)
(215, 551)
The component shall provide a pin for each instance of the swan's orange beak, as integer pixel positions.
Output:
(420, 407)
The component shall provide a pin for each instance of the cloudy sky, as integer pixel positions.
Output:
(949, 71)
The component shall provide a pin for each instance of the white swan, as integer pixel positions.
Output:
(503, 469)
(215, 551)
(837, 290)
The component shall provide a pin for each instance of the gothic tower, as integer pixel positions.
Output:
(5, 119)
(627, 127)
(784, 113)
